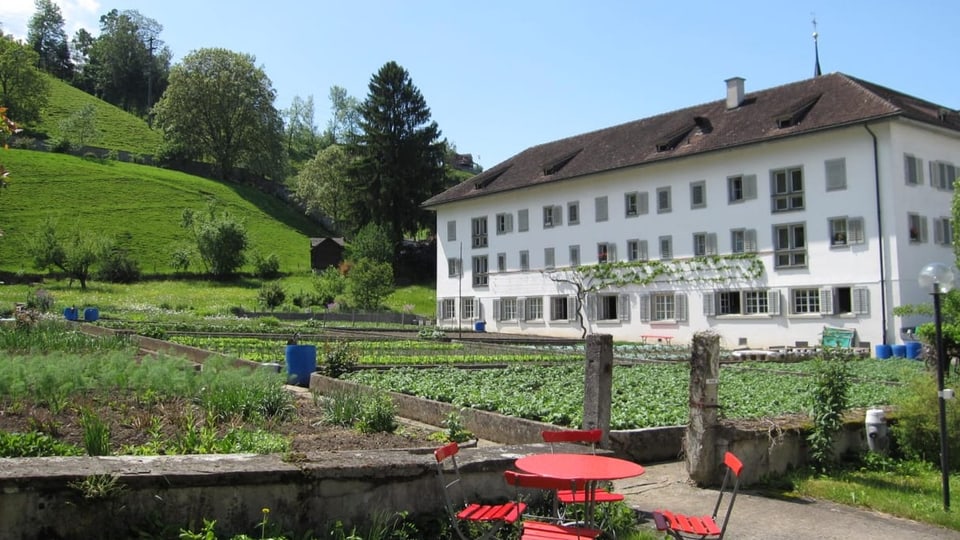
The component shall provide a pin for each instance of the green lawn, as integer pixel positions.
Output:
(138, 205)
(116, 129)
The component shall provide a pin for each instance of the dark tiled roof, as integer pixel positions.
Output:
(825, 102)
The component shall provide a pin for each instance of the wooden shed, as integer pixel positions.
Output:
(325, 252)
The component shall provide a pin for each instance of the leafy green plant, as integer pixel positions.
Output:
(829, 396)
(456, 431)
(338, 358)
(271, 295)
(34, 444)
(99, 487)
(96, 434)
(266, 267)
(378, 414)
(916, 431)
(330, 285)
(342, 408)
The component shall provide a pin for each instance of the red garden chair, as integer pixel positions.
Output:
(681, 526)
(492, 516)
(543, 527)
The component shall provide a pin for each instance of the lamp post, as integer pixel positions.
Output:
(938, 277)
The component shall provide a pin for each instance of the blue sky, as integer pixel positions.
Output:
(501, 76)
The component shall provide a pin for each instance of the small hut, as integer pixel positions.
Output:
(325, 252)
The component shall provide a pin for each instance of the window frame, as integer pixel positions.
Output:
(524, 260)
(573, 255)
(701, 186)
(480, 277)
(549, 258)
(664, 200)
(741, 188)
(533, 308)
(917, 228)
(573, 213)
(912, 170)
(601, 206)
(792, 250)
(451, 230)
(835, 174)
(479, 232)
(504, 222)
(793, 199)
(666, 241)
(454, 267)
(807, 297)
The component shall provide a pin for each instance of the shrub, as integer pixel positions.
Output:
(916, 431)
(338, 358)
(266, 267)
(330, 284)
(180, 259)
(829, 394)
(271, 295)
(304, 299)
(377, 414)
(371, 242)
(368, 283)
(40, 300)
(117, 266)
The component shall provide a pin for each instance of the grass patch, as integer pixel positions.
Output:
(140, 207)
(116, 128)
(910, 490)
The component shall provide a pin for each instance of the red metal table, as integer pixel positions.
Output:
(589, 467)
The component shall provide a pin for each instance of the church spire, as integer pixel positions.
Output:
(816, 50)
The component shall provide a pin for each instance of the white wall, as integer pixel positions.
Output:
(853, 266)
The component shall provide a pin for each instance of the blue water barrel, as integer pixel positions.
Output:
(480, 326)
(301, 363)
(884, 351)
(914, 348)
(91, 314)
(900, 351)
(70, 313)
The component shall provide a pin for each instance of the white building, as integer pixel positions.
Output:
(764, 217)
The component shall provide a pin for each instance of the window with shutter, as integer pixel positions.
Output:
(623, 307)
(644, 308)
(680, 307)
(643, 203)
(523, 220)
(773, 300)
(496, 310)
(912, 170)
(750, 241)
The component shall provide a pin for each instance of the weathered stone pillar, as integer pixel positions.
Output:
(701, 438)
(598, 385)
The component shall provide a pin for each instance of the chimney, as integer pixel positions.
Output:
(734, 92)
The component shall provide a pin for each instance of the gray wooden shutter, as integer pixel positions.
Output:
(773, 301)
(826, 300)
(855, 231)
(496, 309)
(451, 231)
(523, 217)
(750, 240)
(836, 171)
(644, 308)
(644, 255)
(643, 203)
(711, 243)
(709, 304)
(611, 252)
(439, 310)
(521, 309)
(623, 307)
(861, 300)
(592, 307)
(680, 307)
(749, 186)
(557, 216)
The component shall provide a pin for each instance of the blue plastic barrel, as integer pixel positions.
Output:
(70, 313)
(301, 363)
(914, 348)
(884, 351)
(91, 314)
(480, 326)
(900, 351)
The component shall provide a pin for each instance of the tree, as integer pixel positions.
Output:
(73, 253)
(300, 130)
(398, 157)
(371, 242)
(127, 64)
(220, 239)
(345, 115)
(23, 89)
(368, 283)
(323, 186)
(220, 105)
(80, 126)
(46, 36)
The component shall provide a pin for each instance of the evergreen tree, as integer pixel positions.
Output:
(397, 155)
(46, 36)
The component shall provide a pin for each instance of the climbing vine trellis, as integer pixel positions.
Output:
(695, 271)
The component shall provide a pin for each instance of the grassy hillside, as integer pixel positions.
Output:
(116, 129)
(139, 205)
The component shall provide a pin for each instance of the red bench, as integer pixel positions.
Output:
(658, 339)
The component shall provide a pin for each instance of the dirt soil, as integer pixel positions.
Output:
(133, 423)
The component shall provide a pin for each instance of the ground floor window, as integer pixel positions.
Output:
(759, 302)
(447, 309)
(663, 307)
(533, 309)
(505, 308)
(561, 308)
(805, 301)
(609, 307)
(470, 309)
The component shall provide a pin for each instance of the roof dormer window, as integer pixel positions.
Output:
(795, 114)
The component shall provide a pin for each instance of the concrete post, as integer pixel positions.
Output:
(701, 438)
(598, 385)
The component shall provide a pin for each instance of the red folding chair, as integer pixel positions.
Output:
(681, 526)
(491, 516)
(591, 437)
(544, 527)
